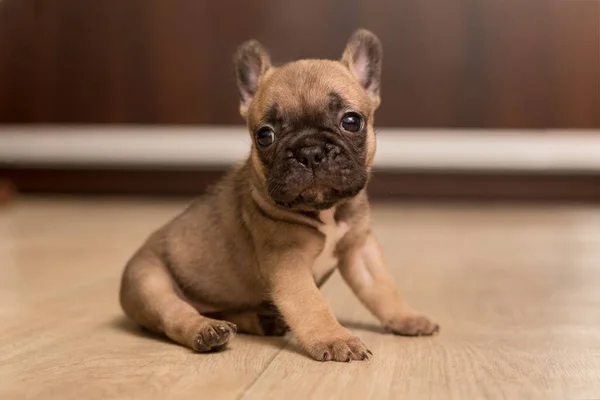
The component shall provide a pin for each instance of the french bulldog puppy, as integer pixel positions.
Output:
(251, 255)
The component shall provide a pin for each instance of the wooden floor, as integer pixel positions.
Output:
(515, 289)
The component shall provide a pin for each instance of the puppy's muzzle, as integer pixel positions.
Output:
(312, 151)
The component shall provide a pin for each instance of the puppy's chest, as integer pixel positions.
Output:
(326, 262)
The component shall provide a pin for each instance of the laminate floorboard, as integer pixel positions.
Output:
(516, 290)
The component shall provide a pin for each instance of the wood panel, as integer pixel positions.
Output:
(385, 185)
(463, 63)
(575, 69)
(17, 51)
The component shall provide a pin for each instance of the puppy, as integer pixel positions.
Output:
(251, 255)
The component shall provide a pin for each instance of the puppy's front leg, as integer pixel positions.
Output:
(363, 268)
(308, 315)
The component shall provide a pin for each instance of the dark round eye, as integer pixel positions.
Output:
(265, 137)
(351, 122)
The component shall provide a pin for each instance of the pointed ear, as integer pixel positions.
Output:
(362, 56)
(251, 63)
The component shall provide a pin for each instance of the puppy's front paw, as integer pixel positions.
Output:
(214, 335)
(347, 349)
(412, 325)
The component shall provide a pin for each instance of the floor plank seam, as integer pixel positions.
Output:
(251, 385)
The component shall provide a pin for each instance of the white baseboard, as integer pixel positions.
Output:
(443, 149)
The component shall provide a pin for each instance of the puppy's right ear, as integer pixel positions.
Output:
(363, 56)
(251, 63)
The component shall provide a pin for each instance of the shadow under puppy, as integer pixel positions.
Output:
(251, 255)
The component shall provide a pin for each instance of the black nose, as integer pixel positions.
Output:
(310, 157)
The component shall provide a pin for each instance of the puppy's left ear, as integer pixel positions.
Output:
(251, 63)
(362, 56)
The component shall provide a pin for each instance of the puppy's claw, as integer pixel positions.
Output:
(200, 346)
(223, 330)
(213, 335)
(341, 350)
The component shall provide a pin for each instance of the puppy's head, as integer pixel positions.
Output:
(311, 121)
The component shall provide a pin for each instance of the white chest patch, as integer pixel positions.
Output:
(334, 232)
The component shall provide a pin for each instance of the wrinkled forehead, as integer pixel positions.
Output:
(306, 89)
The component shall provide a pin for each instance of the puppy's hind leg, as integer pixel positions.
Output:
(149, 297)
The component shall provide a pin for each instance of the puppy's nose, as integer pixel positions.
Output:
(310, 157)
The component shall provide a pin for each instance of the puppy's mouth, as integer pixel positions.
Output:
(313, 199)
(316, 198)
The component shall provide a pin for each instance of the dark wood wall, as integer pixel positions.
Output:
(459, 63)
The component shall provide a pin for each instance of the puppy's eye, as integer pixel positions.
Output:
(351, 122)
(265, 137)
